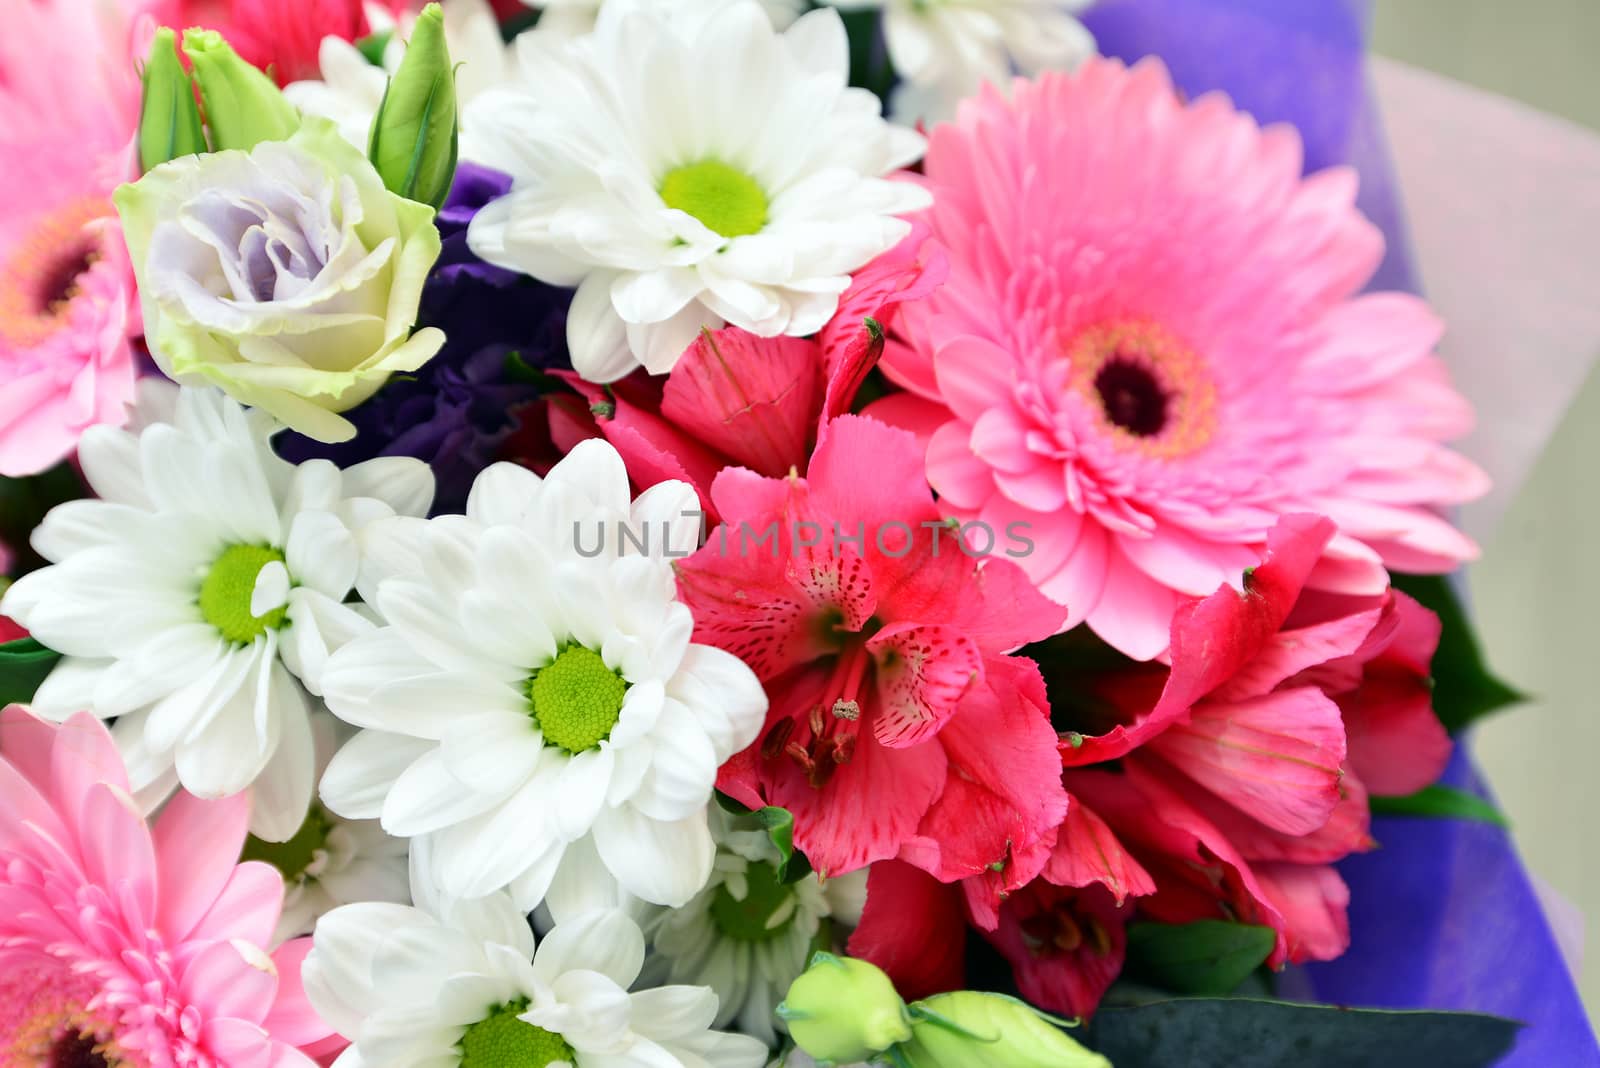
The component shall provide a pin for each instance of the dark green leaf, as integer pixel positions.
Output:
(1250, 1033)
(1464, 690)
(779, 825)
(24, 502)
(1210, 957)
(24, 664)
(870, 68)
(1440, 802)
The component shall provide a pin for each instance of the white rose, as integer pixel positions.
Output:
(289, 275)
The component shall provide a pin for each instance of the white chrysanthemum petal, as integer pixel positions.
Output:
(411, 987)
(662, 862)
(478, 855)
(271, 589)
(282, 794)
(540, 667)
(360, 775)
(172, 595)
(605, 942)
(427, 797)
(322, 553)
(641, 171)
(405, 486)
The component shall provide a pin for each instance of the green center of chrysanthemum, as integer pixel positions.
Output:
(766, 911)
(725, 198)
(500, 1040)
(293, 857)
(226, 590)
(576, 699)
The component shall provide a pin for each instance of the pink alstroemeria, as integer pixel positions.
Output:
(1240, 781)
(738, 400)
(898, 726)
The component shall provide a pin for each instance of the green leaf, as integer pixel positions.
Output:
(23, 504)
(1250, 1033)
(779, 825)
(870, 68)
(24, 664)
(414, 139)
(1464, 690)
(169, 118)
(1439, 802)
(1209, 957)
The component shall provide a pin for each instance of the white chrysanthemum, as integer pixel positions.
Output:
(943, 50)
(351, 88)
(748, 935)
(472, 989)
(525, 695)
(688, 166)
(208, 578)
(331, 861)
(569, 18)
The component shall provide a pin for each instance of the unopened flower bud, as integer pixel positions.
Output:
(843, 1009)
(968, 1028)
(169, 118)
(243, 106)
(415, 135)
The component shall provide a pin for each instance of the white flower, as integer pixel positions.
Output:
(525, 696)
(287, 275)
(569, 18)
(748, 935)
(351, 88)
(331, 861)
(470, 988)
(944, 50)
(189, 599)
(690, 166)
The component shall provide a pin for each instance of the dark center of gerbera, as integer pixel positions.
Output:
(46, 266)
(1150, 393)
(1132, 396)
(73, 1050)
(58, 279)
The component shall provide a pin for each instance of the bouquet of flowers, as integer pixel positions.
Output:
(683, 533)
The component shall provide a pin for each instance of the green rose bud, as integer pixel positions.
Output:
(843, 1009)
(288, 276)
(969, 1028)
(415, 135)
(169, 119)
(243, 107)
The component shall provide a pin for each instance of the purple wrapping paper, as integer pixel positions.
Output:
(1443, 914)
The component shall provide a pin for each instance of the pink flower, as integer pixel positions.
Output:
(130, 945)
(735, 399)
(898, 726)
(70, 94)
(280, 36)
(1150, 346)
(1240, 782)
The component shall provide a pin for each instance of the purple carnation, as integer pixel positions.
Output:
(501, 330)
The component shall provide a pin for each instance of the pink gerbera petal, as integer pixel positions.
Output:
(125, 947)
(1176, 378)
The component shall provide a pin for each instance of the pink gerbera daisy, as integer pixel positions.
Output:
(1150, 347)
(127, 947)
(70, 96)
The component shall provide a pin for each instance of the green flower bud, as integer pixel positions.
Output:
(967, 1027)
(243, 107)
(169, 119)
(843, 1009)
(415, 135)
